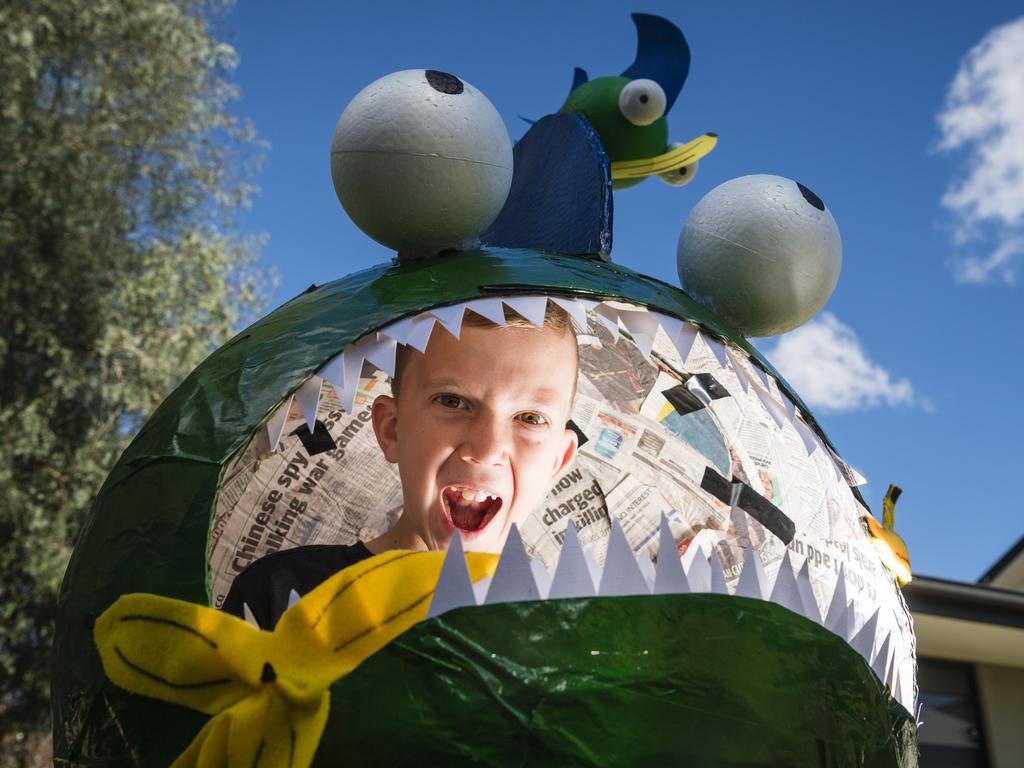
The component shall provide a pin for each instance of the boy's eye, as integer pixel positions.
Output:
(533, 418)
(450, 401)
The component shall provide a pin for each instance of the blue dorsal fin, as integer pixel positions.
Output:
(579, 77)
(662, 55)
(561, 195)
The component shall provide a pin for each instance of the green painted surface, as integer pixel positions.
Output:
(696, 680)
(598, 101)
(147, 531)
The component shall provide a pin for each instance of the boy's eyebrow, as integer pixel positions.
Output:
(543, 394)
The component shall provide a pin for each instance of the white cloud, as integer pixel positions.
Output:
(825, 363)
(984, 116)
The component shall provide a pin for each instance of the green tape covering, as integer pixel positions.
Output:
(149, 526)
(701, 680)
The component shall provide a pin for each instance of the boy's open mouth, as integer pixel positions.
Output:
(469, 509)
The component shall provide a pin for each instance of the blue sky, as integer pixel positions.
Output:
(915, 143)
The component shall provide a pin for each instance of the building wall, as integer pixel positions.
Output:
(1001, 697)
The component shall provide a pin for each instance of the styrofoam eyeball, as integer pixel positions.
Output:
(680, 177)
(642, 101)
(421, 161)
(761, 252)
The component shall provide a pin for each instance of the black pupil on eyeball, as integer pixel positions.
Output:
(443, 82)
(644, 98)
(810, 197)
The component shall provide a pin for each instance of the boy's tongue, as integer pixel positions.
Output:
(470, 515)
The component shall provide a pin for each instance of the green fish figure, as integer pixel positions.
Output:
(628, 111)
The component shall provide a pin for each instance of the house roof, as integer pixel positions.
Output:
(1008, 570)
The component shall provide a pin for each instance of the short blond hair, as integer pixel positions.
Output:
(556, 319)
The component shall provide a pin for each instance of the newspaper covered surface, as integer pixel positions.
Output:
(645, 451)
(290, 498)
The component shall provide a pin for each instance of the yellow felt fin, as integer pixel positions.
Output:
(180, 652)
(268, 692)
(361, 609)
(262, 730)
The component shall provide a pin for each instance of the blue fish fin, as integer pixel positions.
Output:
(662, 55)
(561, 196)
(579, 77)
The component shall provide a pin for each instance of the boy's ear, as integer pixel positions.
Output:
(567, 452)
(385, 426)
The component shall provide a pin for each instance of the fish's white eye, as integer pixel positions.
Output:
(680, 177)
(642, 102)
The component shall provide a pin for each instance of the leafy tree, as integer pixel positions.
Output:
(121, 174)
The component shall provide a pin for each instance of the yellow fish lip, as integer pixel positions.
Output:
(891, 549)
(672, 160)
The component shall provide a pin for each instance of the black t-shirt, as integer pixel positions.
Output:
(266, 583)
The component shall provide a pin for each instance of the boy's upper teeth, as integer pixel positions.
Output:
(471, 494)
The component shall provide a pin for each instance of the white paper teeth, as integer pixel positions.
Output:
(293, 597)
(642, 326)
(685, 339)
(513, 580)
(621, 575)
(772, 406)
(838, 609)
(533, 308)
(669, 577)
(670, 326)
(698, 575)
(492, 309)
(382, 354)
(333, 371)
(275, 426)
(882, 660)
(353, 366)
(576, 310)
(541, 577)
(717, 349)
(454, 588)
(308, 398)
(789, 406)
(572, 574)
(807, 435)
(753, 581)
(803, 586)
(399, 330)
(419, 332)
(863, 642)
(480, 589)
(761, 374)
(609, 317)
(248, 616)
(718, 584)
(785, 592)
(450, 318)
(740, 368)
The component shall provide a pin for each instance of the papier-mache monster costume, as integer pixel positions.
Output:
(705, 585)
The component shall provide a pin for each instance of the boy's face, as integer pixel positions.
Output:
(478, 431)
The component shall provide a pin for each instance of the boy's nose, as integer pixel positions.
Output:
(485, 443)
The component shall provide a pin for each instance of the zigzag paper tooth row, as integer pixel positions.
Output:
(518, 578)
(379, 349)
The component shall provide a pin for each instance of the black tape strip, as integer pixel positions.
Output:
(318, 442)
(767, 514)
(683, 400)
(716, 485)
(580, 437)
(712, 386)
(751, 502)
